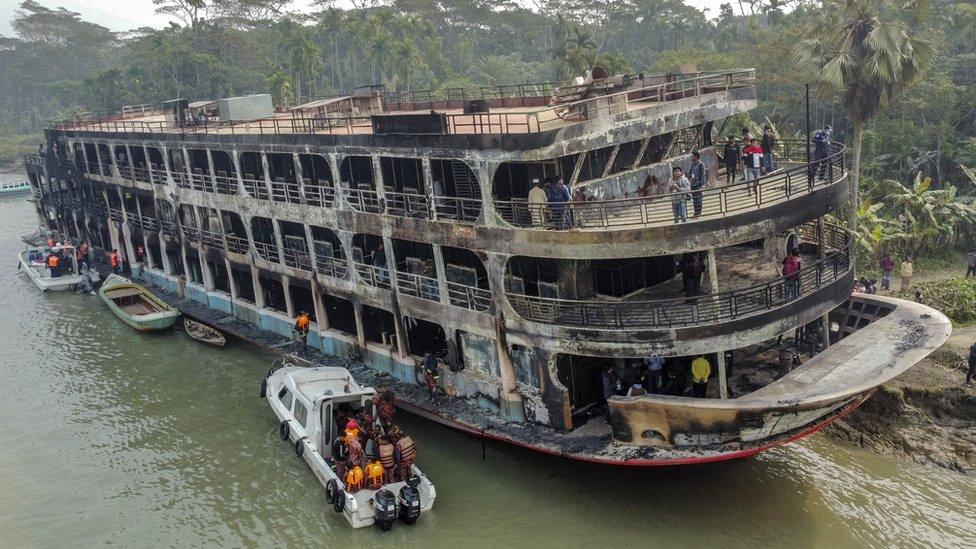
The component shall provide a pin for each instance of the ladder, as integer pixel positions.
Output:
(464, 184)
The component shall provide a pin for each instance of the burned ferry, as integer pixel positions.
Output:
(403, 223)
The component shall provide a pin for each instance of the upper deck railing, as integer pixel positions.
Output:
(701, 310)
(716, 202)
(525, 121)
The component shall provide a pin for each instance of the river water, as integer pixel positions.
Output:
(108, 436)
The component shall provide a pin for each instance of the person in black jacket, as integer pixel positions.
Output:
(972, 365)
(730, 157)
(768, 142)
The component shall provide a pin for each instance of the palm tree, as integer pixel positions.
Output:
(870, 51)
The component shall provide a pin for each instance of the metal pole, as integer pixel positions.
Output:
(807, 138)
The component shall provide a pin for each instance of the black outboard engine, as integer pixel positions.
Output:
(384, 509)
(409, 503)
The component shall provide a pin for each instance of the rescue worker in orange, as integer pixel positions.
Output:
(116, 261)
(301, 327)
(53, 262)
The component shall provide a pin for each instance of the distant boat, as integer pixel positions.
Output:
(136, 306)
(203, 333)
(33, 262)
(14, 187)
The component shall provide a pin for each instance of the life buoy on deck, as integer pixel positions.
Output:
(284, 430)
(299, 447)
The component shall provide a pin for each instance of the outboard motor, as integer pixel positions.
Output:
(384, 509)
(409, 503)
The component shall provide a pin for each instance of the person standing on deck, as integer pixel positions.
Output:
(752, 157)
(559, 198)
(701, 369)
(698, 177)
(655, 365)
(302, 323)
(537, 204)
(679, 186)
(730, 157)
(821, 149)
(972, 365)
(907, 270)
(115, 261)
(887, 266)
(768, 143)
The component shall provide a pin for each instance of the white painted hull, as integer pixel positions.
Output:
(41, 277)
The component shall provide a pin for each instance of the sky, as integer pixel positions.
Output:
(119, 15)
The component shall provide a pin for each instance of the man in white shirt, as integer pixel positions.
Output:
(537, 203)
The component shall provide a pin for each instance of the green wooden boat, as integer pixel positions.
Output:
(136, 306)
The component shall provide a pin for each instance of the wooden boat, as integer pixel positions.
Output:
(32, 261)
(14, 187)
(136, 306)
(203, 333)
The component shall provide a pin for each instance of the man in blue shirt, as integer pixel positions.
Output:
(559, 198)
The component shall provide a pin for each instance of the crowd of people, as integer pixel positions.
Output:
(549, 203)
(656, 375)
(64, 258)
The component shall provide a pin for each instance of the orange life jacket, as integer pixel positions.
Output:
(374, 472)
(52, 261)
(354, 479)
(302, 322)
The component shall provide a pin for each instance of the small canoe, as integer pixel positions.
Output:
(14, 188)
(203, 333)
(136, 306)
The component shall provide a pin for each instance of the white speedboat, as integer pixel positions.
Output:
(34, 262)
(320, 410)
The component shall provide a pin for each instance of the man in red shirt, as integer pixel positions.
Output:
(752, 156)
(791, 272)
(887, 266)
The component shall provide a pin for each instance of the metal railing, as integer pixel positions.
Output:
(236, 244)
(297, 259)
(255, 188)
(318, 193)
(457, 209)
(190, 233)
(169, 228)
(225, 184)
(336, 267)
(530, 121)
(364, 200)
(371, 275)
(200, 181)
(212, 238)
(700, 310)
(405, 204)
(289, 192)
(424, 287)
(469, 297)
(715, 202)
(267, 251)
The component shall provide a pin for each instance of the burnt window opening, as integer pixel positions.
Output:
(403, 183)
(91, 157)
(221, 280)
(199, 161)
(188, 216)
(235, 232)
(464, 267)
(295, 250)
(581, 376)
(155, 252)
(626, 156)
(156, 162)
(166, 211)
(263, 233)
(416, 273)
(594, 164)
(122, 162)
(357, 181)
(252, 175)
(423, 336)
(624, 277)
(274, 294)
(532, 276)
(457, 187)
(317, 183)
(147, 206)
(301, 298)
(79, 153)
(225, 176)
(139, 163)
(243, 282)
(105, 159)
(193, 264)
(657, 148)
(175, 261)
(368, 249)
(112, 196)
(341, 314)
(327, 254)
(379, 326)
(513, 180)
(284, 178)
